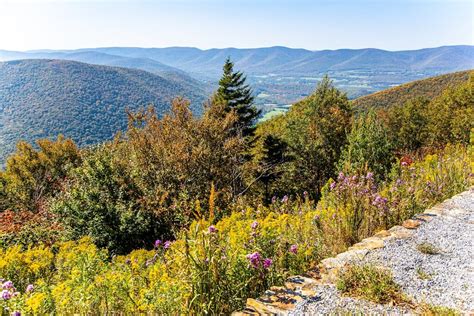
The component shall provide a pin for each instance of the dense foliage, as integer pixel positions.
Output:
(44, 98)
(428, 88)
(193, 214)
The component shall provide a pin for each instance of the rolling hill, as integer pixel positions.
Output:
(428, 88)
(99, 58)
(44, 98)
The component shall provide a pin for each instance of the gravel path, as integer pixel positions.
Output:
(444, 279)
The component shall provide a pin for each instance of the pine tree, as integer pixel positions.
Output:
(274, 154)
(238, 95)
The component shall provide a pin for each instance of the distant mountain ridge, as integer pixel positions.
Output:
(44, 98)
(278, 59)
(300, 61)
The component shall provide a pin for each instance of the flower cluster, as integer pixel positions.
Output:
(256, 260)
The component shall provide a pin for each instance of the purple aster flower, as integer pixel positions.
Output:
(6, 295)
(167, 244)
(254, 225)
(341, 176)
(294, 248)
(332, 185)
(30, 288)
(158, 243)
(370, 176)
(284, 199)
(8, 285)
(254, 258)
(267, 263)
(212, 229)
(16, 313)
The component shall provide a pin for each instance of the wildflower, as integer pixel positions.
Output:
(30, 288)
(167, 244)
(404, 163)
(284, 199)
(369, 176)
(254, 259)
(305, 193)
(267, 263)
(294, 249)
(8, 285)
(274, 198)
(212, 229)
(254, 225)
(15, 294)
(332, 185)
(6, 295)
(16, 313)
(158, 243)
(379, 201)
(341, 176)
(128, 261)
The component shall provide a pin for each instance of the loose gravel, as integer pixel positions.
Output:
(444, 279)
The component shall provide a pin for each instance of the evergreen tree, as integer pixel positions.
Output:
(368, 148)
(274, 152)
(238, 95)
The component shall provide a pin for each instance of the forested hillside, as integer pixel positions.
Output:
(426, 88)
(44, 98)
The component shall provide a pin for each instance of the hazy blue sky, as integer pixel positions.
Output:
(312, 24)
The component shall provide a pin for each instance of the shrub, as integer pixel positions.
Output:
(371, 283)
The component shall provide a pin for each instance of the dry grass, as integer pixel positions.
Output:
(428, 249)
(371, 283)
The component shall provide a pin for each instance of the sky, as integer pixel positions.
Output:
(310, 24)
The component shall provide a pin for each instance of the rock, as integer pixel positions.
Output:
(411, 223)
(382, 233)
(263, 308)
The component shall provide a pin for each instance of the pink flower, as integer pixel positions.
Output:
(158, 243)
(30, 288)
(267, 263)
(254, 225)
(212, 229)
(294, 248)
(8, 285)
(167, 244)
(332, 185)
(6, 295)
